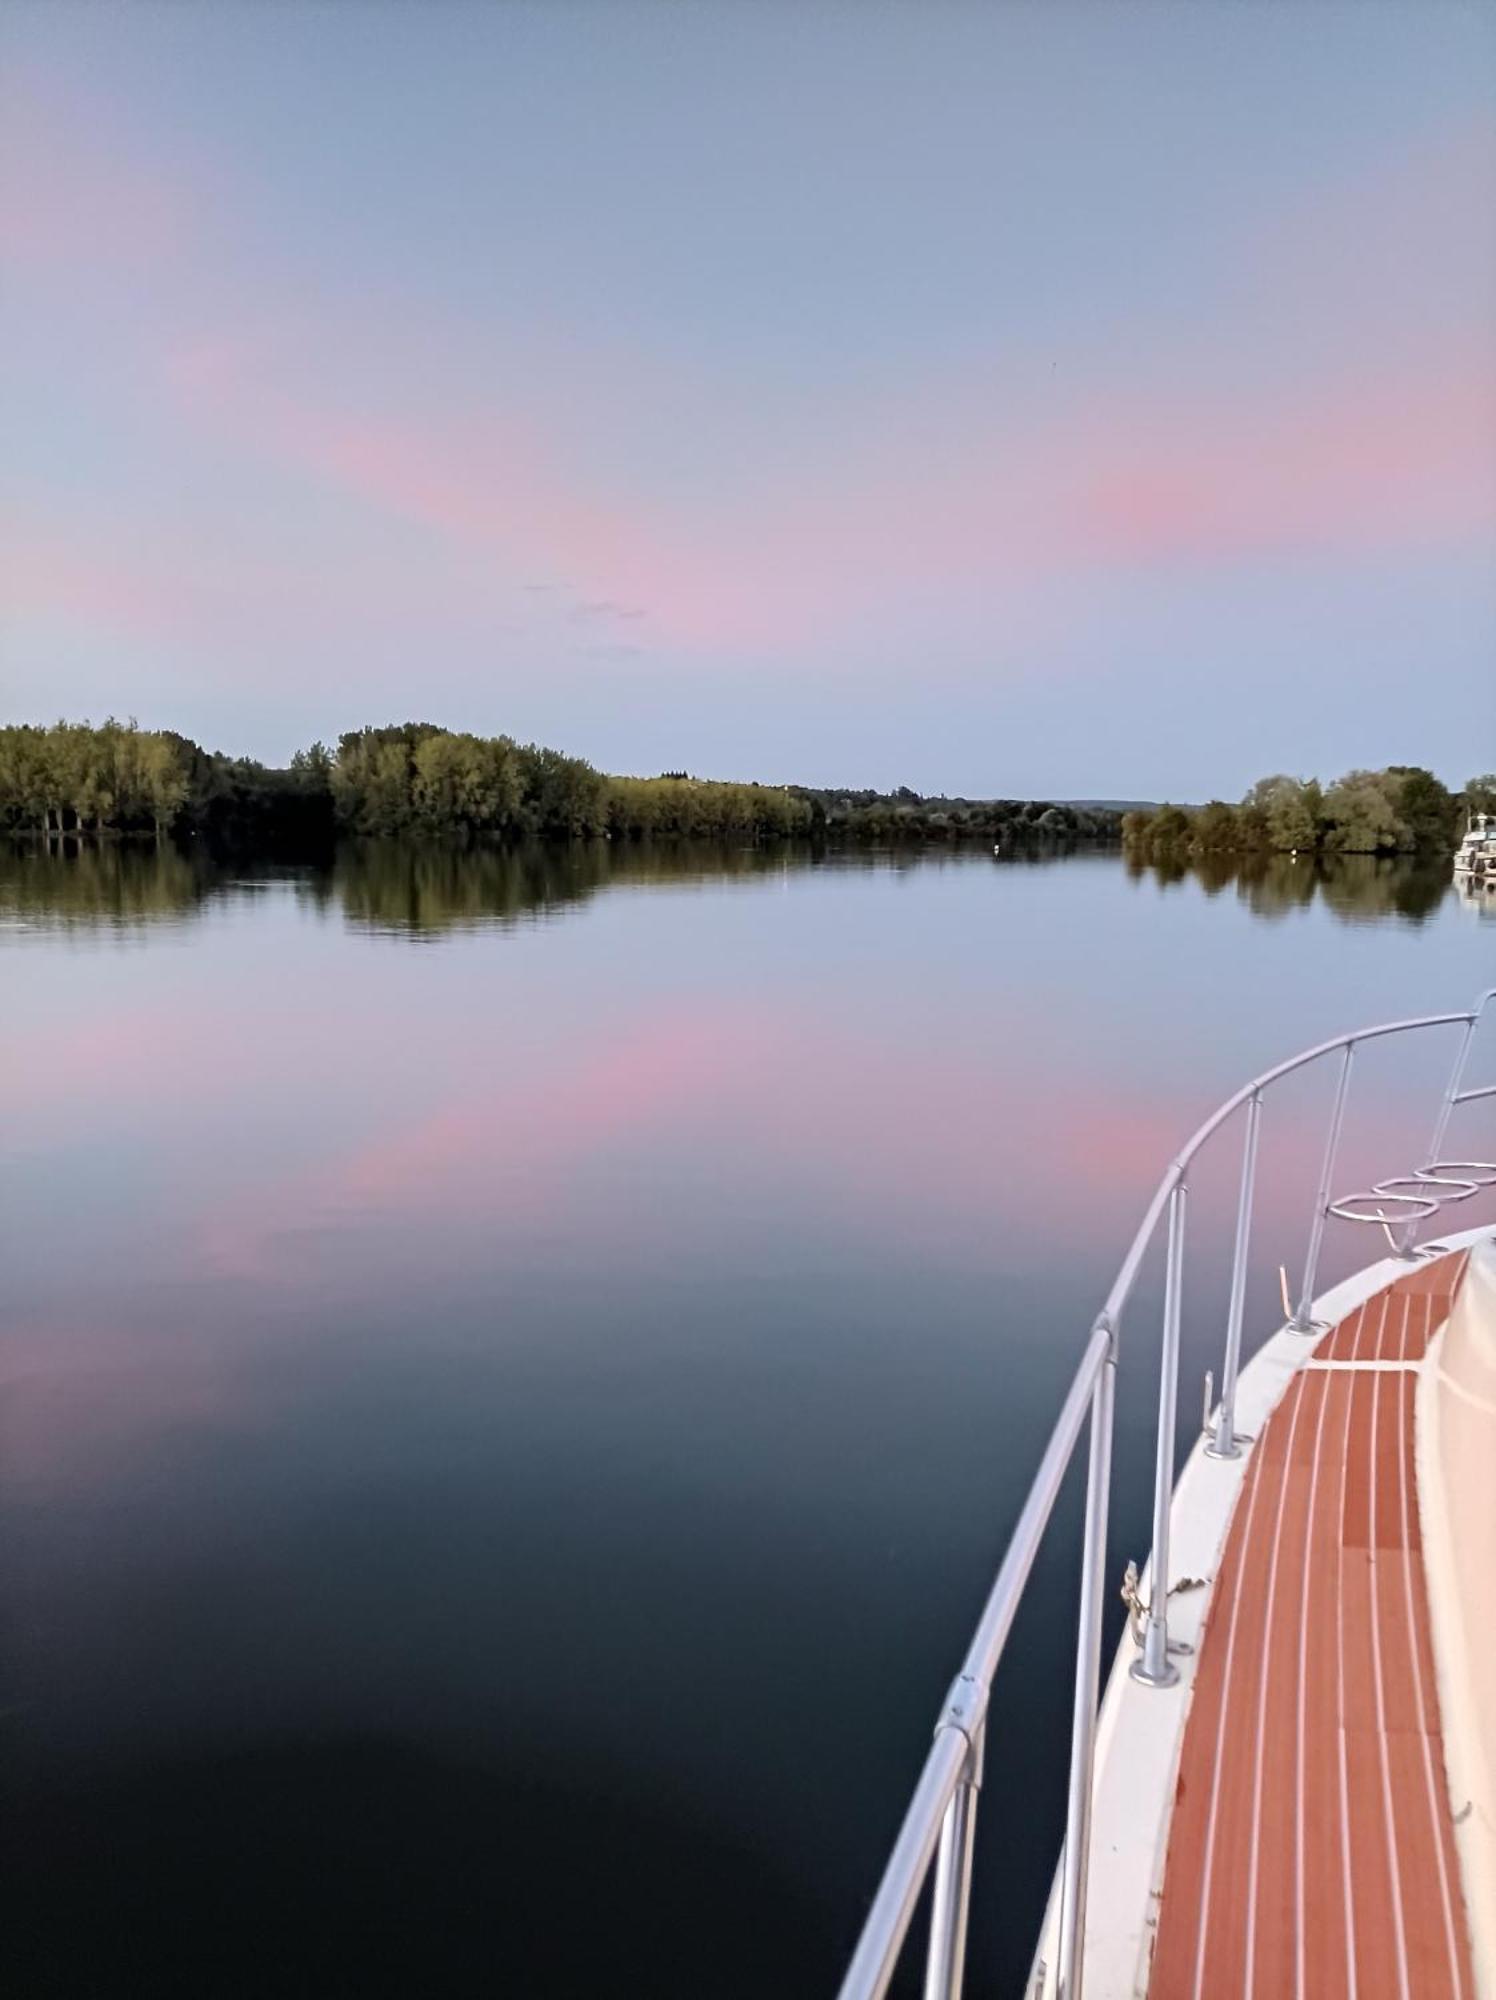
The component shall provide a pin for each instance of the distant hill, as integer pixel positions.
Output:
(1111, 805)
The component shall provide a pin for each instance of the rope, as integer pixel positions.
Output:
(1137, 1609)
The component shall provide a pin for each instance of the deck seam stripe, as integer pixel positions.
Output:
(1254, 1480)
(1345, 1782)
(1360, 1367)
(1388, 1813)
(1298, 1825)
(1261, 1735)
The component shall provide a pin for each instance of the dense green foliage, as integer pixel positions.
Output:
(414, 779)
(116, 778)
(905, 815)
(1402, 810)
(424, 780)
(410, 779)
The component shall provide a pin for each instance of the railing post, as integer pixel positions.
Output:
(1452, 1090)
(1077, 1857)
(1224, 1444)
(1301, 1321)
(951, 1902)
(1155, 1669)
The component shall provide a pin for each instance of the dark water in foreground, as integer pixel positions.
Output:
(516, 1373)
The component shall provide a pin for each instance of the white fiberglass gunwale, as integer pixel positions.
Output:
(1456, 1465)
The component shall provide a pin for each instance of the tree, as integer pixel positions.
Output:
(165, 782)
(1290, 809)
(1361, 811)
(1424, 806)
(1171, 829)
(312, 768)
(1137, 830)
(1215, 827)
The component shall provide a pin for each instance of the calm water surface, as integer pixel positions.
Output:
(516, 1373)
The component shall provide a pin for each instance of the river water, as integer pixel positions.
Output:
(516, 1372)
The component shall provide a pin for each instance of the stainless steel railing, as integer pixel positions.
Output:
(940, 1822)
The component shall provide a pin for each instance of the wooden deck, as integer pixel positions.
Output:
(1311, 1849)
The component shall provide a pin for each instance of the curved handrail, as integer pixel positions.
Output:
(941, 1811)
(1126, 1276)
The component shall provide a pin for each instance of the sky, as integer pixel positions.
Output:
(1008, 400)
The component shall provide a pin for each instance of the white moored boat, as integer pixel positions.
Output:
(1476, 854)
(1289, 1787)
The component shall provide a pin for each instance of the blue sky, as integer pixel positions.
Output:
(1008, 400)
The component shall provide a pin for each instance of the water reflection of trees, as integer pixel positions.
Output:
(427, 890)
(117, 884)
(1358, 888)
(419, 890)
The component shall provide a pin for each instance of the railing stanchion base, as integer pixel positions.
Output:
(1155, 1669)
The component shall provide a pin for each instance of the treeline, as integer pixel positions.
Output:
(423, 780)
(906, 815)
(413, 778)
(416, 779)
(1401, 810)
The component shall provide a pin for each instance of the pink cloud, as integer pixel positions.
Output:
(976, 482)
(42, 572)
(1389, 243)
(1403, 459)
(488, 480)
(180, 587)
(76, 190)
(1368, 463)
(975, 492)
